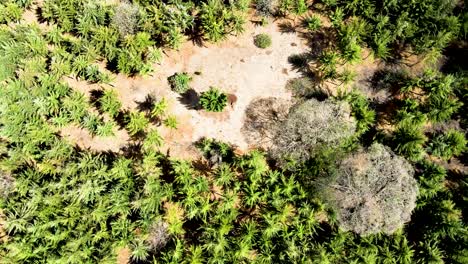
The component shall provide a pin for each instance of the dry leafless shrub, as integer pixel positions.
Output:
(262, 119)
(374, 191)
(266, 7)
(310, 126)
(126, 18)
(158, 235)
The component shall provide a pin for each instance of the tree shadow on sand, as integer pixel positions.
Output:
(190, 99)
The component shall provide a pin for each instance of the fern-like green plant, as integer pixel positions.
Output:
(152, 141)
(312, 23)
(91, 122)
(213, 100)
(159, 108)
(361, 110)
(106, 129)
(409, 138)
(110, 103)
(11, 12)
(300, 7)
(136, 122)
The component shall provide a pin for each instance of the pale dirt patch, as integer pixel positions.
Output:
(454, 164)
(83, 139)
(216, 192)
(83, 87)
(123, 255)
(30, 15)
(235, 66)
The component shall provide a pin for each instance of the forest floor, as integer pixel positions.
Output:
(236, 66)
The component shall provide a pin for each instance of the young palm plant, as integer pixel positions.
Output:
(110, 103)
(136, 122)
(213, 100)
(159, 108)
(171, 122)
(449, 144)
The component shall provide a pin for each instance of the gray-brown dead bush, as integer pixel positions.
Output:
(374, 191)
(262, 119)
(126, 18)
(309, 127)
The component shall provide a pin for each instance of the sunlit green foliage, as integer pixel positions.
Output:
(410, 139)
(152, 141)
(312, 23)
(213, 100)
(159, 108)
(132, 58)
(109, 102)
(171, 122)
(126, 34)
(425, 26)
(11, 12)
(430, 181)
(360, 110)
(105, 129)
(218, 21)
(136, 122)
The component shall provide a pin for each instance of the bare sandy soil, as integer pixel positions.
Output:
(83, 139)
(236, 66)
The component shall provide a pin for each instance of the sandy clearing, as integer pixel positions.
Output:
(235, 65)
(83, 139)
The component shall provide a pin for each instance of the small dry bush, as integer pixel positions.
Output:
(263, 117)
(7, 184)
(266, 7)
(158, 235)
(126, 18)
(374, 191)
(310, 126)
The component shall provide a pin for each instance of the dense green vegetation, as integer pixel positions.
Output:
(180, 82)
(324, 192)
